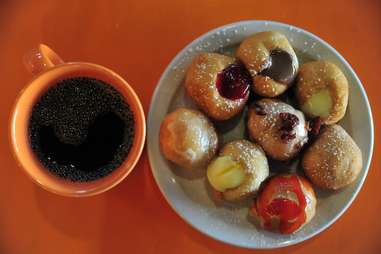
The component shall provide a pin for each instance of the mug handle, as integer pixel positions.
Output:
(40, 59)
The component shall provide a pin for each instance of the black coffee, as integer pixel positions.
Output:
(81, 129)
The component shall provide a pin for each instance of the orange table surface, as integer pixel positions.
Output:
(138, 38)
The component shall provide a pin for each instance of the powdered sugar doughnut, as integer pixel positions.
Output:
(271, 61)
(188, 138)
(280, 129)
(239, 169)
(218, 85)
(334, 160)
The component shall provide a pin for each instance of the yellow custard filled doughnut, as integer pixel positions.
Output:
(188, 138)
(218, 85)
(334, 160)
(238, 170)
(271, 61)
(322, 91)
(280, 129)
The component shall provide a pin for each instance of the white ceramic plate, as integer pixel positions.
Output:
(189, 197)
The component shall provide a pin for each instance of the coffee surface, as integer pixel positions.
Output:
(81, 129)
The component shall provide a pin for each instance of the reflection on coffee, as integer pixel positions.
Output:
(81, 129)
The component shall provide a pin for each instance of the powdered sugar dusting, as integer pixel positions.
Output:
(265, 129)
(254, 162)
(222, 222)
(334, 167)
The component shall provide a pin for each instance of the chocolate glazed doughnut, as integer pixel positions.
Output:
(271, 61)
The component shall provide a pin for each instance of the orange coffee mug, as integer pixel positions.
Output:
(48, 68)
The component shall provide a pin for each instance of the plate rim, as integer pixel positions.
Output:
(155, 96)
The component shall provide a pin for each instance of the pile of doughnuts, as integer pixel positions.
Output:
(265, 67)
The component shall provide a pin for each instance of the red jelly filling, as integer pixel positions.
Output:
(289, 122)
(234, 82)
(270, 203)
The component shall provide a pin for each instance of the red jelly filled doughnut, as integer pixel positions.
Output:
(285, 204)
(218, 85)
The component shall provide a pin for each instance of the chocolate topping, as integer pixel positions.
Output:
(281, 68)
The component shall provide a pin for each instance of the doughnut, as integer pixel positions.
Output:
(218, 85)
(285, 204)
(280, 129)
(271, 61)
(188, 138)
(238, 170)
(322, 91)
(334, 160)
